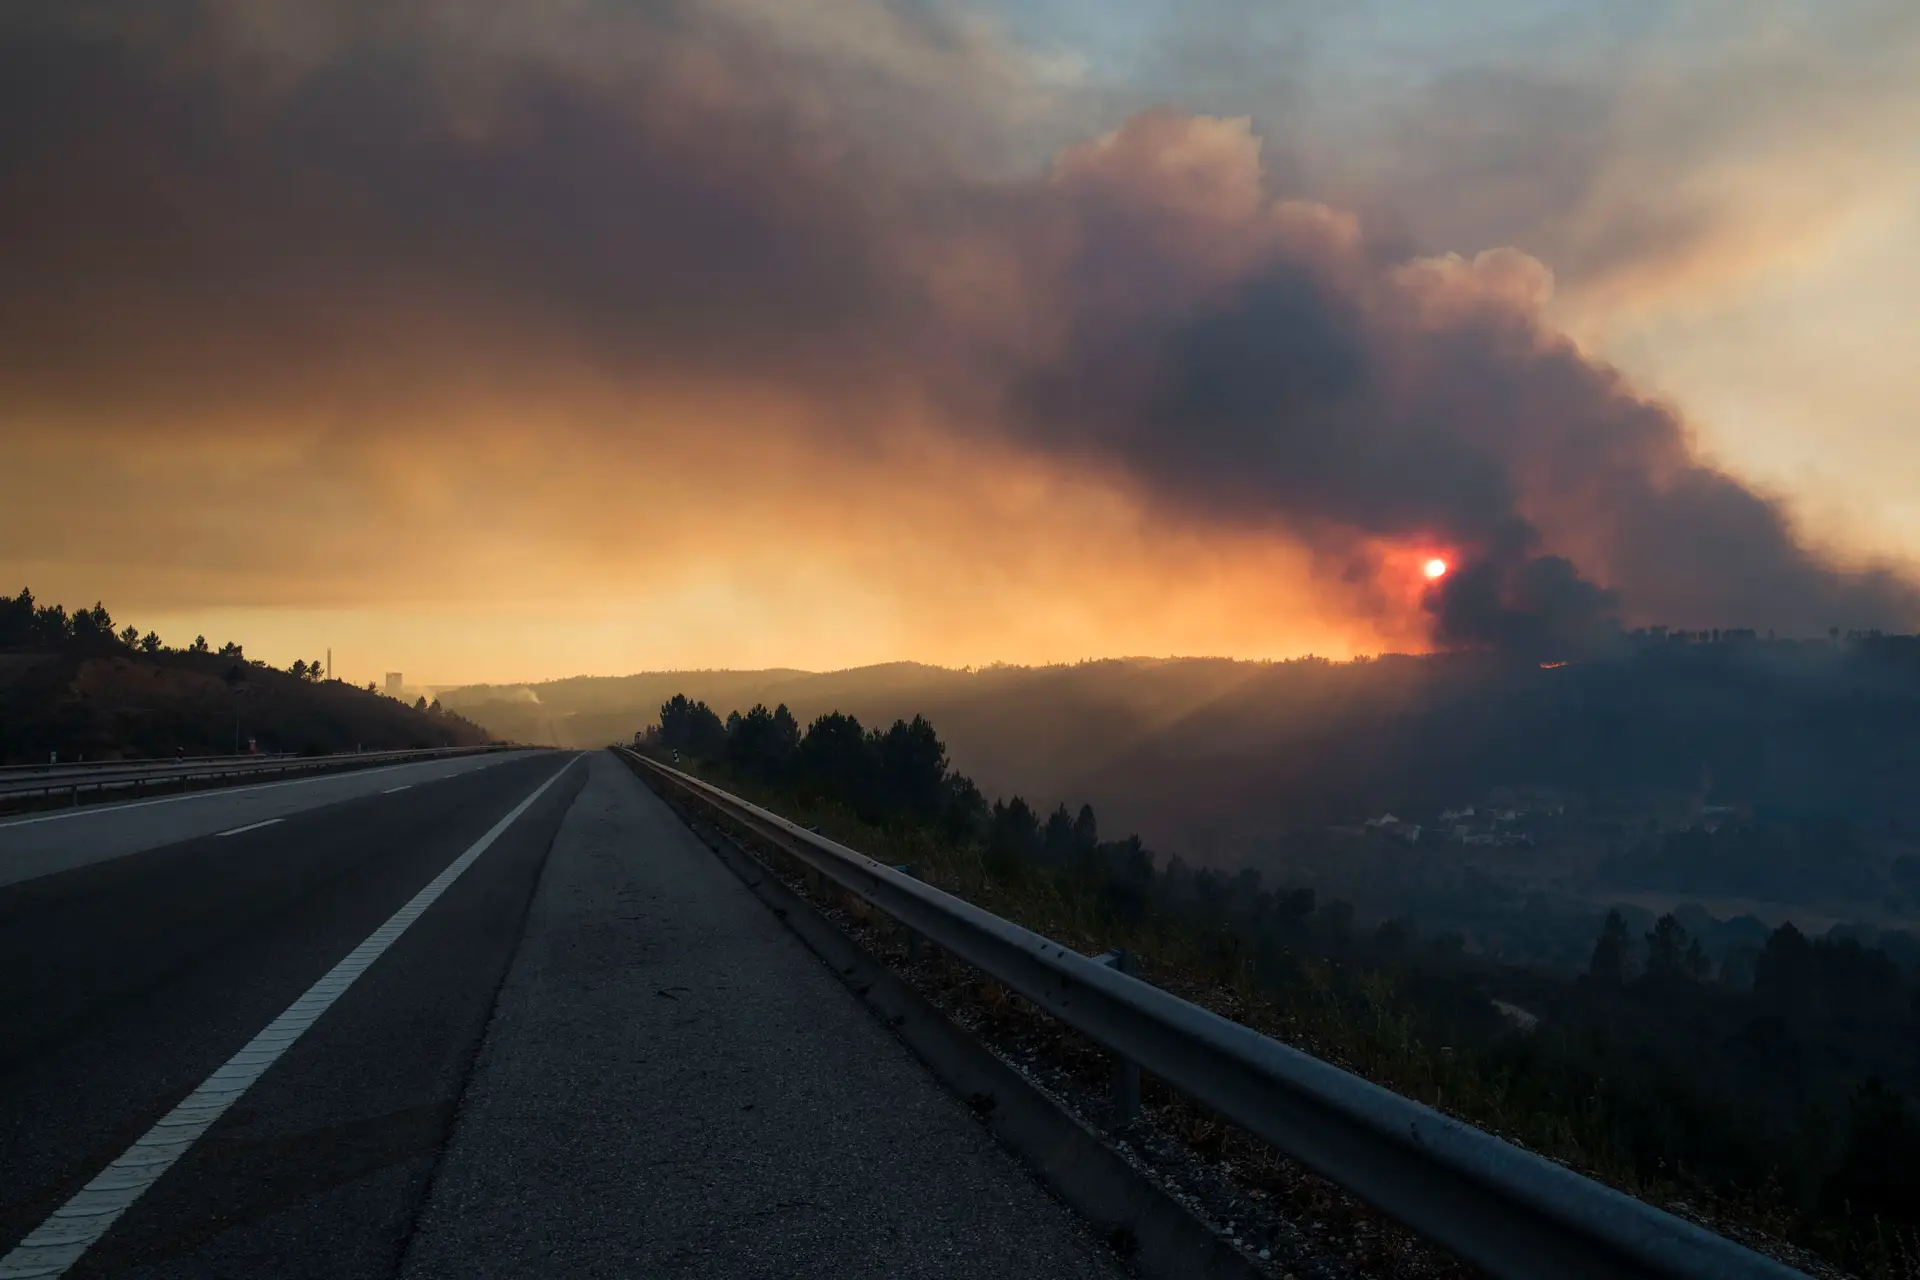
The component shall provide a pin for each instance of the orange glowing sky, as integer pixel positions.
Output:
(581, 339)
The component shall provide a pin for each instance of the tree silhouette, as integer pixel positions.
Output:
(1086, 831)
(1291, 909)
(92, 629)
(1608, 967)
(835, 759)
(692, 727)
(1697, 966)
(25, 624)
(709, 735)
(16, 620)
(1786, 977)
(900, 775)
(1339, 914)
(1012, 837)
(673, 721)
(52, 629)
(1667, 947)
(762, 743)
(1058, 840)
(199, 645)
(1124, 871)
(150, 643)
(913, 769)
(1070, 839)
(965, 810)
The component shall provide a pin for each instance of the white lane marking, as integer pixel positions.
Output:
(390, 790)
(251, 826)
(57, 1243)
(216, 793)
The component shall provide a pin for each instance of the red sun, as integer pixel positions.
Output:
(1435, 568)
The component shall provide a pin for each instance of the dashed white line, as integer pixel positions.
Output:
(57, 1243)
(390, 790)
(251, 826)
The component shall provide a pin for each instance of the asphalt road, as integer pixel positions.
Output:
(125, 983)
(44, 843)
(594, 1053)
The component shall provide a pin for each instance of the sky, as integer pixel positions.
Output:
(528, 338)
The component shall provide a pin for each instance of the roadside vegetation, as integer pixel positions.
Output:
(1771, 1101)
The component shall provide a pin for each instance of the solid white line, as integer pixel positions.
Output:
(390, 790)
(57, 1243)
(215, 793)
(251, 826)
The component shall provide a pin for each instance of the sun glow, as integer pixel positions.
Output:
(1436, 568)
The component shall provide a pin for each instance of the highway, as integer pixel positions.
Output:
(59, 840)
(98, 781)
(490, 1016)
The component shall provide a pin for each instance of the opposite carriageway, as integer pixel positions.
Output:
(100, 780)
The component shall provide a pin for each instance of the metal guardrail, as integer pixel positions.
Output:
(138, 776)
(85, 767)
(1506, 1210)
(35, 766)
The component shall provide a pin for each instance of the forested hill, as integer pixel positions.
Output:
(70, 684)
(1206, 754)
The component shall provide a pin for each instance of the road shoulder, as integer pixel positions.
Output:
(672, 1082)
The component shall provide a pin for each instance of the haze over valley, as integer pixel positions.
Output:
(1604, 769)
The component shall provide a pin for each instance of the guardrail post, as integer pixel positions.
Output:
(1126, 1073)
(816, 883)
(913, 935)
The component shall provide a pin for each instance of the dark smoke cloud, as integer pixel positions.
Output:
(1534, 606)
(1253, 360)
(195, 222)
(175, 207)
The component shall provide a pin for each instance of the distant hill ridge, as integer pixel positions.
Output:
(1208, 755)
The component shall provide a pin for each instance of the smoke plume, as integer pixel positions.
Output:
(213, 208)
